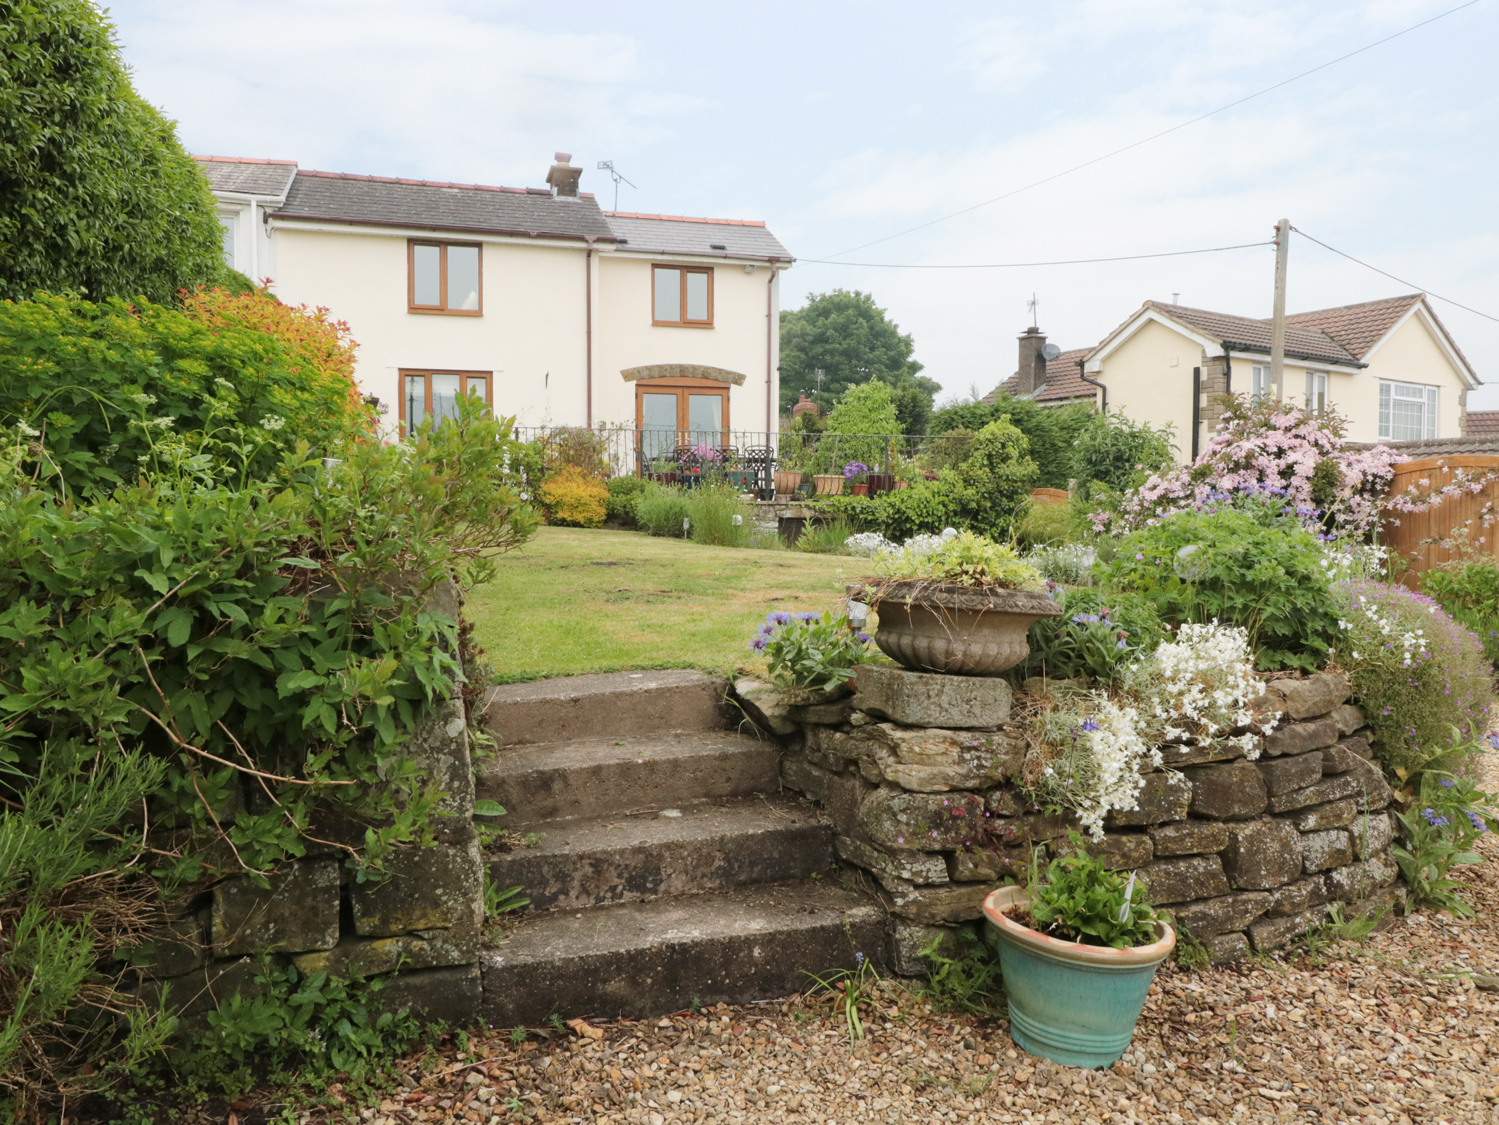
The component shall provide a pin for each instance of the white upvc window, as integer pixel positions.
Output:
(1407, 411)
(1259, 381)
(230, 225)
(1316, 391)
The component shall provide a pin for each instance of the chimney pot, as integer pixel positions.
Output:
(562, 157)
(563, 177)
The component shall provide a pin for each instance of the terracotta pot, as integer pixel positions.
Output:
(787, 480)
(962, 631)
(828, 484)
(900, 484)
(860, 489)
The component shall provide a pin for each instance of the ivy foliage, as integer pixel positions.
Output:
(115, 390)
(97, 195)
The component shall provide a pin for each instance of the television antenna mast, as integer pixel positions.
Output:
(608, 166)
(1035, 307)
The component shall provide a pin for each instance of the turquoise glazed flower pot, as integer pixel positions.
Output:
(1071, 1003)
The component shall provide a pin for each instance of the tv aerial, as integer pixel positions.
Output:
(608, 166)
(1050, 352)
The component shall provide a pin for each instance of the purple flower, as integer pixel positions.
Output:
(1433, 819)
(1477, 821)
(862, 638)
(1089, 724)
(1447, 783)
(808, 615)
(778, 617)
(1139, 557)
(757, 645)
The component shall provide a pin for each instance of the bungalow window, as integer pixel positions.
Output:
(1316, 391)
(682, 295)
(434, 394)
(1259, 382)
(229, 229)
(444, 277)
(1407, 411)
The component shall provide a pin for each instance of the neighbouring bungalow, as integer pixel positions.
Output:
(1389, 366)
(548, 307)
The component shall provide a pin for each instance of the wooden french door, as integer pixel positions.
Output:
(681, 412)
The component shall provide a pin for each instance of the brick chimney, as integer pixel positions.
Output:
(804, 406)
(1032, 367)
(563, 177)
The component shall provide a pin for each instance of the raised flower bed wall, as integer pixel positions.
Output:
(918, 774)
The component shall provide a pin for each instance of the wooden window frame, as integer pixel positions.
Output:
(440, 309)
(681, 388)
(685, 270)
(426, 373)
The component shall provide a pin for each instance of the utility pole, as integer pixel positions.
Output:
(1278, 323)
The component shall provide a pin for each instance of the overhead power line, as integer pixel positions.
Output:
(1392, 277)
(1157, 136)
(1023, 265)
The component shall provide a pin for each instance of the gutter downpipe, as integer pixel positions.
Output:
(1196, 410)
(588, 331)
(769, 356)
(1083, 375)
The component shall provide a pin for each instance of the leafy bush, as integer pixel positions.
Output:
(719, 517)
(1082, 900)
(806, 651)
(1470, 595)
(826, 538)
(923, 509)
(255, 660)
(661, 510)
(1447, 817)
(1421, 678)
(865, 409)
(1050, 431)
(961, 559)
(624, 494)
(573, 498)
(1045, 525)
(97, 195)
(997, 479)
(1098, 635)
(236, 382)
(1117, 453)
(1246, 567)
(1295, 451)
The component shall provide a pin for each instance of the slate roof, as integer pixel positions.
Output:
(677, 234)
(1249, 334)
(248, 176)
(1063, 381)
(338, 197)
(1436, 447)
(1358, 327)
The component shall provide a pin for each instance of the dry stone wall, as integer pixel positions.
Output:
(918, 774)
(424, 919)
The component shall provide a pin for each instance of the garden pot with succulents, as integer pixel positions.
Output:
(829, 484)
(1072, 1003)
(961, 630)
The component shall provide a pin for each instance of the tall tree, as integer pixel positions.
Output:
(852, 341)
(96, 192)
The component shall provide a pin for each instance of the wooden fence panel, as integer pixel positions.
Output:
(1409, 533)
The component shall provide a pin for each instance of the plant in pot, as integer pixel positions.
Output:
(828, 484)
(663, 470)
(811, 655)
(856, 477)
(1078, 952)
(957, 603)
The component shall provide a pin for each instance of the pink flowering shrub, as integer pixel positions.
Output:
(1279, 448)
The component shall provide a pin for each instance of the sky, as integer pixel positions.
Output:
(843, 123)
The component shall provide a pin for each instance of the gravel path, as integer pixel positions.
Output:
(1392, 1030)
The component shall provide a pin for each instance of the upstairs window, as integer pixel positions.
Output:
(682, 295)
(1316, 391)
(434, 394)
(1407, 411)
(445, 277)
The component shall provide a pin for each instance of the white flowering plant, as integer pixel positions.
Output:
(1198, 688)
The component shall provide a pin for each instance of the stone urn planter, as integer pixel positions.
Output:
(959, 630)
(1071, 1003)
(828, 484)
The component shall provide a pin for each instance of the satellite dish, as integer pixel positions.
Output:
(1050, 352)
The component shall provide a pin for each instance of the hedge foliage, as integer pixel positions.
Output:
(111, 388)
(97, 195)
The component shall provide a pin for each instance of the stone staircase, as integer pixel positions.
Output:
(670, 869)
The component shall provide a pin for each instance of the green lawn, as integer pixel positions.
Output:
(575, 601)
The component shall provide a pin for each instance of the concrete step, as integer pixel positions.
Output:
(595, 777)
(614, 704)
(705, 846)
(645, 959)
